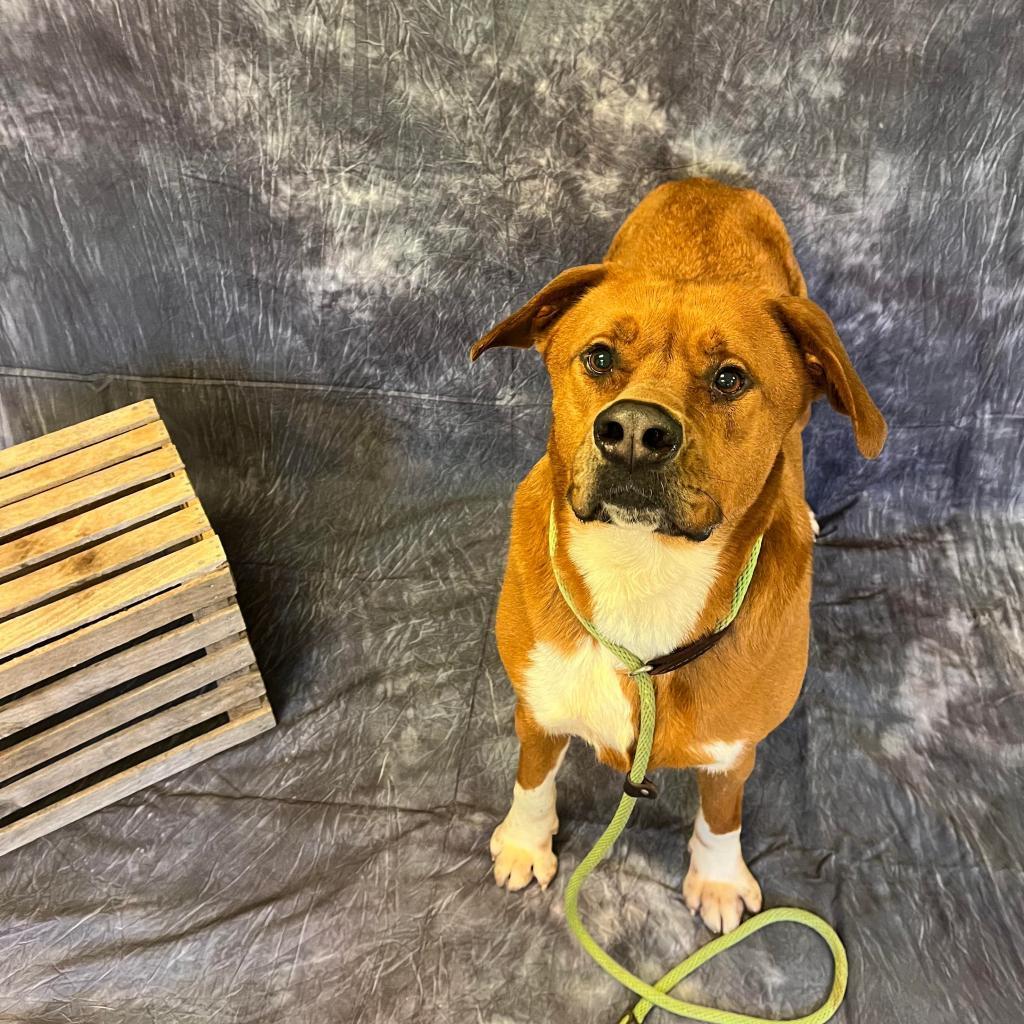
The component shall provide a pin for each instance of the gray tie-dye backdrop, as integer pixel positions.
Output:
(286, 222)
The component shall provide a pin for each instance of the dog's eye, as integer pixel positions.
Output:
(598, 360)
(730, 381)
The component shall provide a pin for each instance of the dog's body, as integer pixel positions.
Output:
(662, 471)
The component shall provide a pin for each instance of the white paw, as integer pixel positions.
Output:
(721, 904)
(815, 528)
(718, 883)
(518, 859)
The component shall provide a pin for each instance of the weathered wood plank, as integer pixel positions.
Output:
(60, 655)
(97, 523)
(39, 784)
(102, 794)
(59, 739)
(102, 545)
(58, 501)
(74, 610)
(224, 624)
(102, 559)
(60, 442)
(74, 465)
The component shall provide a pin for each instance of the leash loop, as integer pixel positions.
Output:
(637, 785)
(645, 790)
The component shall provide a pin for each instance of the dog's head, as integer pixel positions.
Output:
(672, 399)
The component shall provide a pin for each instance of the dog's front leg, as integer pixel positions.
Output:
(521, 844)
(719, 883)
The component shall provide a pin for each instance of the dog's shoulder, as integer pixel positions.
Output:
(530, 507)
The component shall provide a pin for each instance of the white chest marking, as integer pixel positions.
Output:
(647, 595)
(579, 694)
(648, 591)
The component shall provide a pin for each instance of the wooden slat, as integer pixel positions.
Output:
(97, 523)
(243, 708)
(117, 712)
(88, 490)
(60, 442)
(72, 689)
(39, 784)
(101, 560)
(46, 475)
(85, 644)
(74, 610)
(101, 794)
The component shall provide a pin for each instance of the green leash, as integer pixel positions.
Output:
(657, 995)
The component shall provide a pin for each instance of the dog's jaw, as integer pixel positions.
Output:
(643, 518)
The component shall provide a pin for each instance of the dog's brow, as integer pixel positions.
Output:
(624, 329)
(713, 343)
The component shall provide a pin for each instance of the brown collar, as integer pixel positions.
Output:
(682, 655)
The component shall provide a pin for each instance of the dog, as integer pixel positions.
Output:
(683, 368)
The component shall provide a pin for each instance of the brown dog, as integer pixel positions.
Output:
(682, 370)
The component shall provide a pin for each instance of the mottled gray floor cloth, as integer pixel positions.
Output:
(286, 222)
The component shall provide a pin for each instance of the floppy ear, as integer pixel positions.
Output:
(831, 371)
(520, 330)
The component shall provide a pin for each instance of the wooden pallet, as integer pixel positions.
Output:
(123, 655)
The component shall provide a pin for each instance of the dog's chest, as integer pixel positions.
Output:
(647, 595)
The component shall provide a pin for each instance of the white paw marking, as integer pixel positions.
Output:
(815, 528)
(718, 883)
(521, 844)
(516, 864)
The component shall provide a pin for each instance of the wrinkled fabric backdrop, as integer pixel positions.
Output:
(286, 222)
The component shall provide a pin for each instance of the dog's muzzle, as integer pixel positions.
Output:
(634, 480)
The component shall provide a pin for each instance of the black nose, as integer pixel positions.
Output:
(637, 434)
